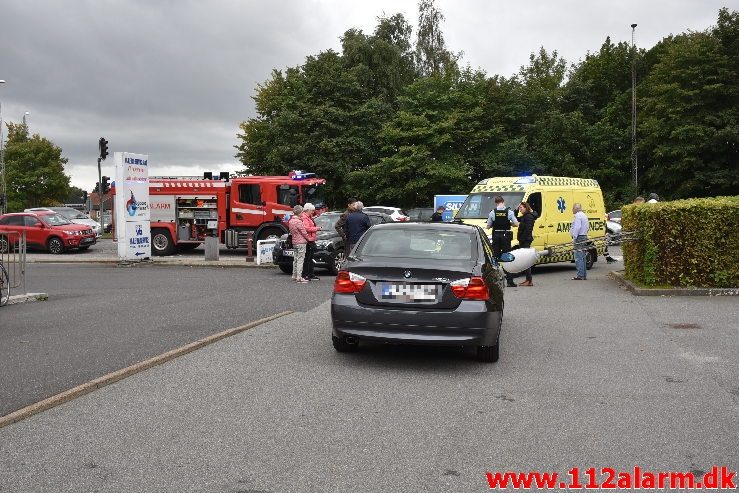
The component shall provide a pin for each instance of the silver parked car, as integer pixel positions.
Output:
(73, 215)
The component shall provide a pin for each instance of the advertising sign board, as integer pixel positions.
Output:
(132, 211)
(451, 204)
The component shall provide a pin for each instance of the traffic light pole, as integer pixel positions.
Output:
(101, 194)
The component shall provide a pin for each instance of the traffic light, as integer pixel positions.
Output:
(106, 184)
(97, 188)
(103, 144)
(84, 196)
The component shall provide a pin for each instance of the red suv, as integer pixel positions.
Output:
(45, 230)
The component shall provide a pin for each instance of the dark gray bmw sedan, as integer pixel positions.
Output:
(420, 283)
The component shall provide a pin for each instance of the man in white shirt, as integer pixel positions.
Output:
(579, 231)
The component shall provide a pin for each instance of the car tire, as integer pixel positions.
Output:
(270, 234)
(161, 242)
(55, 245)
(342, 346)
(4, 245)
(337, 261)
(287, 269)
(488, 354)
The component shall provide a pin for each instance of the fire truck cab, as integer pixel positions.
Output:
(185, 211)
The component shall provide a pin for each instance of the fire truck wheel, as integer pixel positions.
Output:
(270, 234)
(287, 269)
(161, 242)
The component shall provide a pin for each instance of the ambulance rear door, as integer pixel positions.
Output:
(556, 218)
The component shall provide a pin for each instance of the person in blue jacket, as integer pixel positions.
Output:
(357, 222)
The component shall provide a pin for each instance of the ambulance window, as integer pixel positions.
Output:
(250, 194)
(288, 195)
(535, 202)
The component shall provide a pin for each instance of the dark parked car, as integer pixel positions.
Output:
(421, 214)
(329, 245)
(423, 283)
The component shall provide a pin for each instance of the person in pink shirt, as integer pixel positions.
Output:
(297, 230)
(309, 210)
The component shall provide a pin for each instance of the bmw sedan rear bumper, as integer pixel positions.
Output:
(470, 324)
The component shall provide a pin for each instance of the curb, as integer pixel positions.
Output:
(638, 291)
(92, 385)
(27, 298)
(156, 263)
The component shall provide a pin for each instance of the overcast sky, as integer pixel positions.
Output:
(173, 79)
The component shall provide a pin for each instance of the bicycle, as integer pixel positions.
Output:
(4, 285)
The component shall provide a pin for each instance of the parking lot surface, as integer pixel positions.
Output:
(100, 318)
(589, 376)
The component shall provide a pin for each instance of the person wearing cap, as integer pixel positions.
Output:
(653, 198)
(501, 219)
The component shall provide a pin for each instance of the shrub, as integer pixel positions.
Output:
(692, 242)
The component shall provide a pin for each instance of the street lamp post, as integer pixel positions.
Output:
(634, 164)
(4, 195)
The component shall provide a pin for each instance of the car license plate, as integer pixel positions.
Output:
(87, 240)
(408, 292)
(288, 253)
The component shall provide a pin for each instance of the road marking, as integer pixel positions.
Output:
(87, 387)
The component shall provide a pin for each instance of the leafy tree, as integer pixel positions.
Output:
(34, 170)
(432, 56)
(325, 115)
(433, 143)
(690, 121)
(396, 122)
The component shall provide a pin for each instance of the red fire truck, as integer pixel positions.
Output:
(185, 211)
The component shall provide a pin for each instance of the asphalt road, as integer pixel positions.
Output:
(589, 376)
(102, 318)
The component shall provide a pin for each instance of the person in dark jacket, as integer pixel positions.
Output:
(341, 223)
(438, 216)
(356, 224)
(526, 218)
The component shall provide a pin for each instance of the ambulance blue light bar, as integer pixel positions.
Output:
(525, 179)
(301, 175)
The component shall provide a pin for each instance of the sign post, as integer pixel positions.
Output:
(132, 215)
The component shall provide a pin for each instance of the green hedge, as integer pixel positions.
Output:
(692, 242)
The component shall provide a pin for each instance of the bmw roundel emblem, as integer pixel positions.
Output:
(407, 274)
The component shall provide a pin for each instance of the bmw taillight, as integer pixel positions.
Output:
(472, 288)
(348, 282)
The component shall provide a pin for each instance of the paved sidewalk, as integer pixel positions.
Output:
(589, 376)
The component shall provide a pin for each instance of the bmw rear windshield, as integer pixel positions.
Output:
(431, 244)
(479, 205)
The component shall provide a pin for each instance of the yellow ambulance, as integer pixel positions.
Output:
(552, 198)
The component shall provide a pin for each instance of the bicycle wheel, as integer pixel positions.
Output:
(4, 286)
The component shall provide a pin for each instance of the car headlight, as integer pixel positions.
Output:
(323, 244)
(72, 233)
